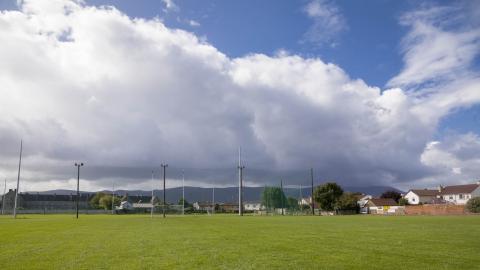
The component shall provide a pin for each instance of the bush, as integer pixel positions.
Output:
(473, 205)
(348, 201)
(403, 201)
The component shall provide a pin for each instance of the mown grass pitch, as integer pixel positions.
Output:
(232, 242)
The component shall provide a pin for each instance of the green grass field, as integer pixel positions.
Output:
(232, 242)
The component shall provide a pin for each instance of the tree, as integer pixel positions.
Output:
(347, 201)
(327, 194)
(95, 200)
(187, 204)
(273, 197)
(391, 194)
(473, 205)
(292, 203)
(403, 201)
(106, 202)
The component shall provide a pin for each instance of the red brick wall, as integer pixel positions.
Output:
(435, 209)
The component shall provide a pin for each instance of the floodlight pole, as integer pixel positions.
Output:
(3, 197)
(183, 192)
(240, 183)
(213, 200)
(18, 181)
(78, 165)
(113, 197)
(313, 205)
(151, 210)
(164, 166)
(282, 194)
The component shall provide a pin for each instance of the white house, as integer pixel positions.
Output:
(204, 206)
(252, 206)
(383, 206)
(416, 196)
(305, 201)
(459, 194)
(362, 200)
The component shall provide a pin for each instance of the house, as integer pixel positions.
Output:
(383, 206)
(202, 206)
(362, 200)
(459, 194)
(142, 205)
(252, 206)
(421, 196)
(228, 207)
(305, 201)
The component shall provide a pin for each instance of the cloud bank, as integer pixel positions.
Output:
(124, 95)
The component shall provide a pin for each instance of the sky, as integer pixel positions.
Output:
(365, 92)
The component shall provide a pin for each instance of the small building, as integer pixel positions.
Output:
(421, 196)
(37, 201)
(459, 194)
(142, 205)
(228, 207)
(305, 201)
(383, 206)
(362, 200)
(252, 206)
(202, 206)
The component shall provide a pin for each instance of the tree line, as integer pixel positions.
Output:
(329, 197)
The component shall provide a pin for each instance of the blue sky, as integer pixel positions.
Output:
(366, 92)
(367, 49)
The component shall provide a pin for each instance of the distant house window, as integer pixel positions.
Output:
(460, 196)
(413, 199)
(451, 197)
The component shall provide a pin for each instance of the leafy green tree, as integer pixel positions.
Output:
(327, 194)
(391, 194)
(473, 205)
(292, 203)
(95, 200)
(273, 197)
(347, 201)
(403, 201)
(106, 202)
(187, 204)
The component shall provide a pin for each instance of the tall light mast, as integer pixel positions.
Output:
(183, 192)
(18, 181)
(113, 197)
(151, 210)
(240, 182)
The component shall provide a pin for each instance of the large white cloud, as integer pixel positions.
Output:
(123, 95)
(456, 157)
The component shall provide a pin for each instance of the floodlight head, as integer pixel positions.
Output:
(76, 164)
(81, 164)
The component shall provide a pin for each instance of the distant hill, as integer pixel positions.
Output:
(227, 194)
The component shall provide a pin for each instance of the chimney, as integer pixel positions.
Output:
(440, 188)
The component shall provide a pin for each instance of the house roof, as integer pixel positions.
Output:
(425, 192)
(459, 189)
(383, 202)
